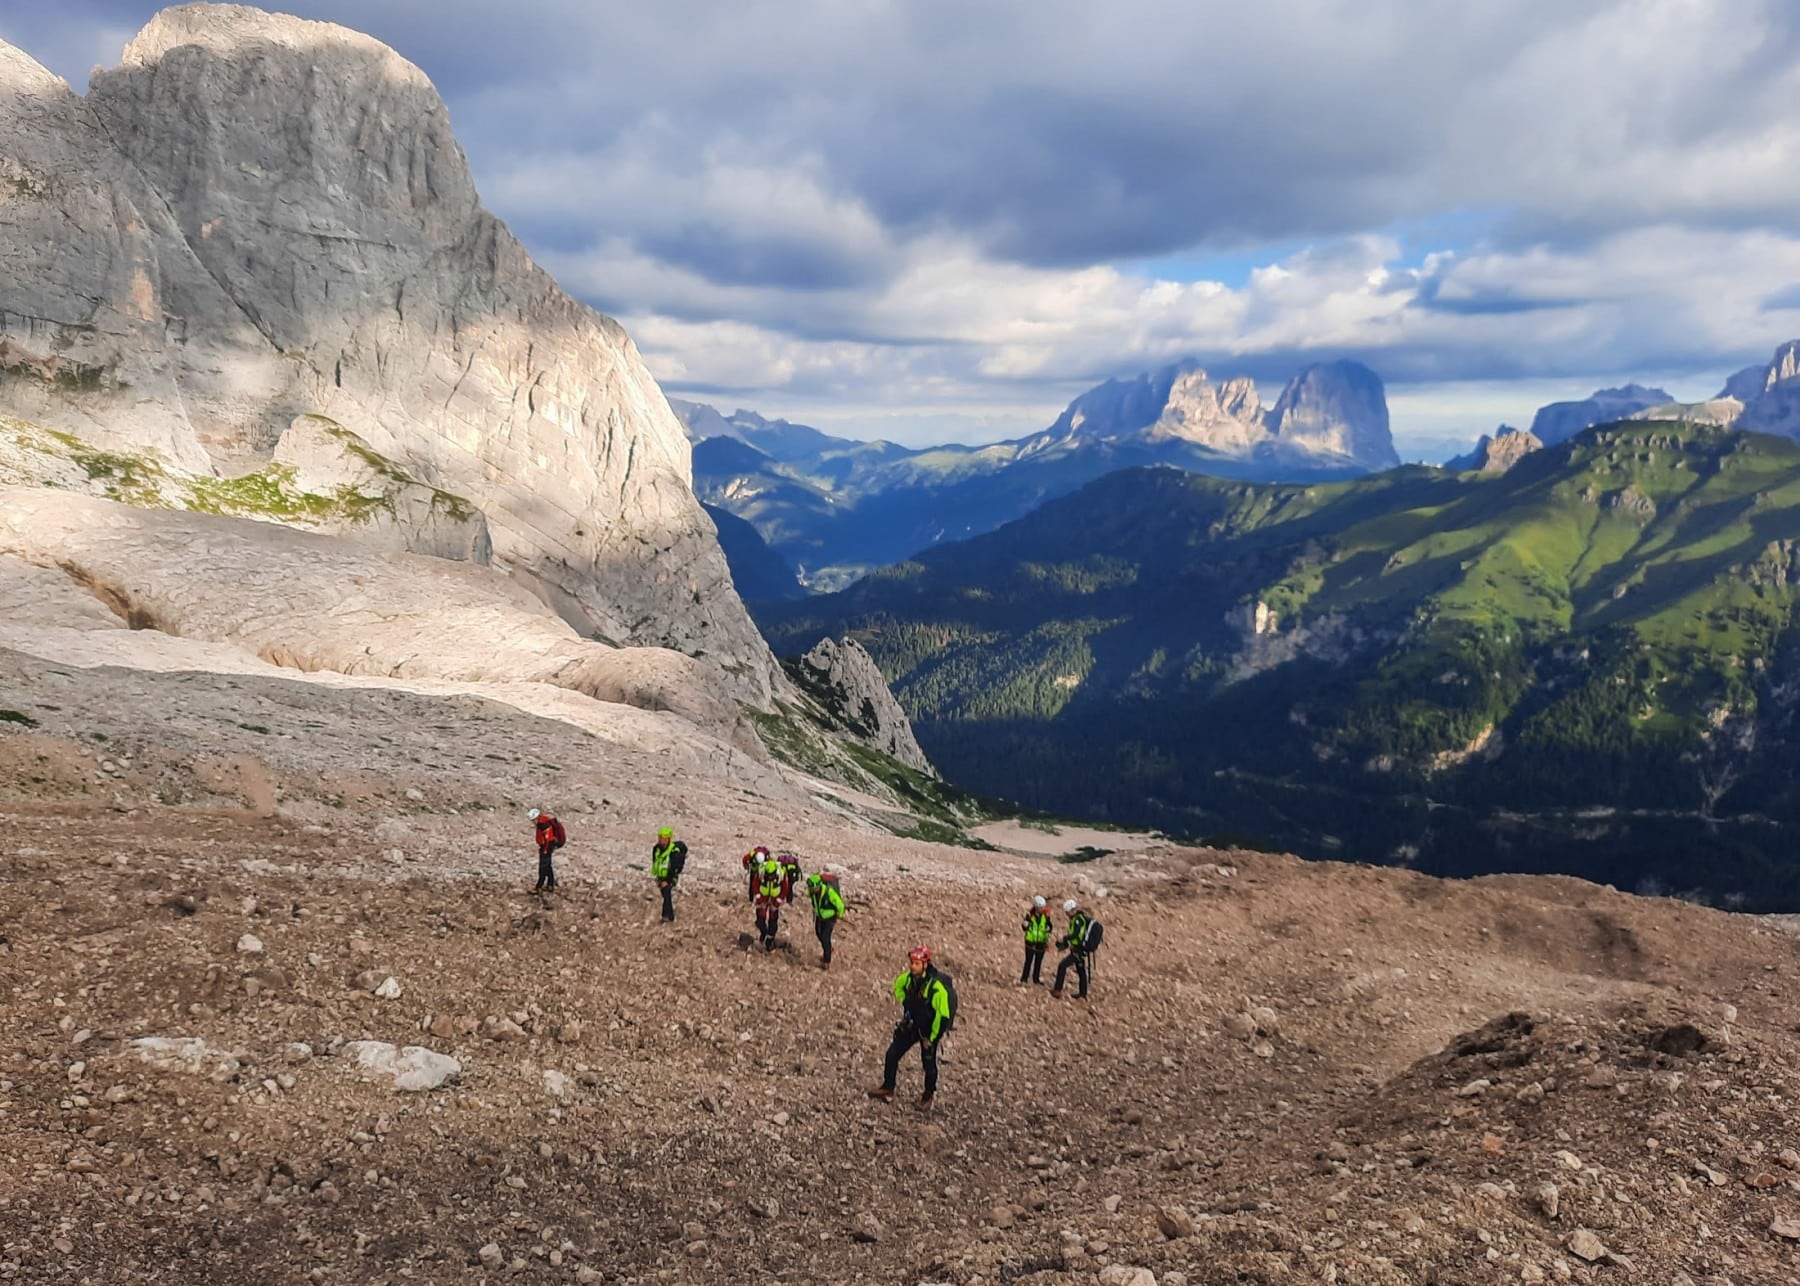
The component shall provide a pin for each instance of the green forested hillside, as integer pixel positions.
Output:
(1584, 664)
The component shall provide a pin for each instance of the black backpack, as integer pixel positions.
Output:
(1091, 937)
(677, 858)
(950, 993)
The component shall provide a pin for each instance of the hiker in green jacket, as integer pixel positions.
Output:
(1037, 939)
(828, 909)
(1074, 947)
(925, 1012)
(668, 857)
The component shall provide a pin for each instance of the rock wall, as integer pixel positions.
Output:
(843, 677)
(275, 219)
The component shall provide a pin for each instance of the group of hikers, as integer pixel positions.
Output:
(927, 995)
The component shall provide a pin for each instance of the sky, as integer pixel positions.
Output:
(936, 221)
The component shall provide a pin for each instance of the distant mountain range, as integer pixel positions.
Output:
(1584, 663)
(834, 509)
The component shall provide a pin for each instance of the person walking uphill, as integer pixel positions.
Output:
(926, 1012)
(828, 909)
(550, 837)
(1037, 939)
(1074, 946)
(766, 884)
(668, 857)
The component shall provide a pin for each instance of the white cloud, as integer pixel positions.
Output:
(923, 205)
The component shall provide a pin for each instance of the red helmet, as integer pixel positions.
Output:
(921, 954)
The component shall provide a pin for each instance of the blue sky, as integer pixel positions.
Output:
(940, 221)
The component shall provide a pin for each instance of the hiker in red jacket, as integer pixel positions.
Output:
(550, 837)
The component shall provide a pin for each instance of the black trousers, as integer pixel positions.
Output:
(546, 872)
(668, 892)
(822, 930)
(905, 1037)
(1034, 963)
(768, 919)
(1078, 960)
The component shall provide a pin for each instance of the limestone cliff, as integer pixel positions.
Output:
(255, 218)
(844, 678)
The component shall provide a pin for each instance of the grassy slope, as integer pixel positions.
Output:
(1612, 615)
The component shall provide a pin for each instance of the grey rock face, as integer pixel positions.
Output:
(1500, 452)
(1773, 401)
(1331, 413)
(1340, 408)
(379, 504)
(276, 220)
(844, 678)
(1560, 421)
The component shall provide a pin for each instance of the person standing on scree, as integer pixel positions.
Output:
(925, 1010)
(550, 837)
(1037, 940)
(668, 858)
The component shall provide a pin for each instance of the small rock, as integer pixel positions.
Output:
(569, 1032)
(1174, 1222)
(442, 1026)
(409, 1070)
(63, 1244)
(1585, 1245)
(1790, 1158)
(1268, 1022)
(587, 1276)
(389, 989)
(1263, 1049)
(696, 1249)
(1126, 1275)
(1548, 1199)
(1001, 1216)
(866, 1228)
(1475, 1087)
(1786, 1228)
(369, 979)
(495, 1028)
(415, 794)
(1112, 1203)
(491, 1256)
(556, 1083)
(250, 945)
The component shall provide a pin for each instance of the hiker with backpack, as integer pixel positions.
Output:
(790, 874)
(766, 883)
(668, 858)
(1037, 940)
(928, 1011)
(1080, 940)
(828, 909)
(550, 837)
(753, 862)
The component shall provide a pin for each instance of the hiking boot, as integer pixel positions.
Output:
(1056, 993)
(925, 1102)
(883, 1093)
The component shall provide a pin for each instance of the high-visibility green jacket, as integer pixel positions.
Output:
(827, 902)
(768, 881)
(659, 860)
(926, 1001)
(1076, 935)
(1037, 927)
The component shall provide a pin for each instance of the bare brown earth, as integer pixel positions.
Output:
(1304, 1072)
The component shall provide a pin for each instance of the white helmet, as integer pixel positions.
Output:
(1037, 903)
(535, 813)
(1070, 905)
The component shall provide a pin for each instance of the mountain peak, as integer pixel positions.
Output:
(1338, 408)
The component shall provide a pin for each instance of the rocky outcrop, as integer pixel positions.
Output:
(376, 503)
(1773, 402)
(841, 676)
(256, 217)
(1560, 421)
(1332, 413)
(323, 478)
(310, 602)
(1337, 408)
(1498, 453)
